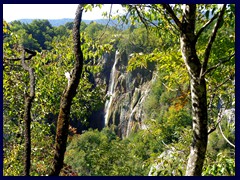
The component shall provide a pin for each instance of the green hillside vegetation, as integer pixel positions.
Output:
(61, 22)
(167, 135)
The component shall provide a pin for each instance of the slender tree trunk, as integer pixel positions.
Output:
(27, 135)
(27, 114)
(66, 99)
(198, 93)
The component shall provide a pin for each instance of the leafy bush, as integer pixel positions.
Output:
(172, 160)
(101, 153)
(224, 165)
(41, 154)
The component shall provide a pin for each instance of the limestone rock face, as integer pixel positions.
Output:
(125, 92)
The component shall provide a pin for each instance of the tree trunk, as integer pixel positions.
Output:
(27, 113)
(66, 99)
(198, 93)
(197, 72)
(27, 135)
(200, 128)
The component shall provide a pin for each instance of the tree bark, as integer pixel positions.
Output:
(27, 113)
(198, 93)
(66, 99)
(197, 72)
(27, 135)
(200, 127)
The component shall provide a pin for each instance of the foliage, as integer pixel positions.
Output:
(151, 18)
(101, 153)
(167, 134)
(49, 70)
(223, 164)
(168, 103)
(138, 40)
(93, 28)
(42, 152)
(172, 160)
(37, 34)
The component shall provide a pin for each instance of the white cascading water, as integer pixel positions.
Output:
(130, 121)
(110, 89)
(141, 100)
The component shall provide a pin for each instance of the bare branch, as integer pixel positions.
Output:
(213, 129)
(171, 24)
(27, 112)
(175, 29)
(218, 64)
(32, 53)
(172, 14)
(205, 26)
(218, 121)
(211, 40)
(31, 73)
(142, 18)
(109, 18)
(67, 96)
(226, 139)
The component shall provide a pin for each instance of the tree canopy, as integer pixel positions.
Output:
(190, 106)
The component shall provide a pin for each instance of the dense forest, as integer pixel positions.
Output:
(154, 99)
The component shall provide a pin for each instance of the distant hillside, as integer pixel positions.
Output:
(54, 22)
(59, 22)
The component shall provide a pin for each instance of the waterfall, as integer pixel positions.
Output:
(110, 91)
(137, 111)
(129, 126)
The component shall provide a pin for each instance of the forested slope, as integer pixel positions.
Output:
(132, 114)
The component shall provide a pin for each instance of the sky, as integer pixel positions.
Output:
(50, 11)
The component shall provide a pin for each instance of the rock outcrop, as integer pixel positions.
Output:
(125, 92)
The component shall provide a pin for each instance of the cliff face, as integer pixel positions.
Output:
(125, 93)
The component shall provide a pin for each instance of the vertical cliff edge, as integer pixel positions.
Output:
(125, 93)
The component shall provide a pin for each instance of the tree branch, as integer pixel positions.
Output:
(205, 26)
(32, 53)
(30, 71)
(211, 40)
(218, 121)
(142, 18)
(109, 18)
(217, 65)
(226, 139)
(171, 24)
(172, 14)
(175, 29)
